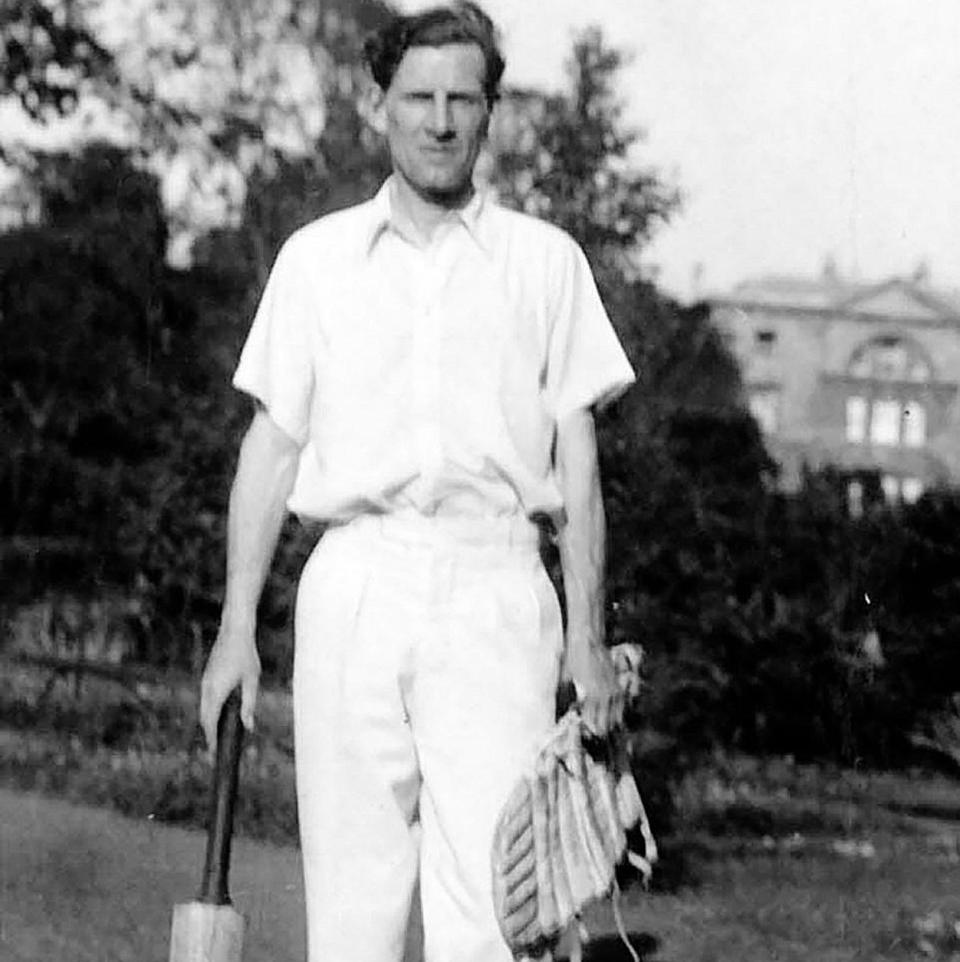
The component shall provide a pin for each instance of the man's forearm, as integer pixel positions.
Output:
(582, 540)
(264, 479)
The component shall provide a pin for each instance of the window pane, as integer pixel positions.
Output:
(890, 361)
(764, 407)
(856, 419)
(765, 341)
(912, 488)
(885, 423)
(855, 499)
(914, 424)
(891, 488)
(860, 366)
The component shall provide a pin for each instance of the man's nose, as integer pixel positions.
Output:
(441, 117)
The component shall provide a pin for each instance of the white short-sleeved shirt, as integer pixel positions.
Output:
(429, 379)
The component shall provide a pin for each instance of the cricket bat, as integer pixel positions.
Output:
(210, 929)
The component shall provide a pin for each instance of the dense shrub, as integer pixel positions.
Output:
(778, 624)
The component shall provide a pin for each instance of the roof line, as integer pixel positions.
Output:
(948, 316)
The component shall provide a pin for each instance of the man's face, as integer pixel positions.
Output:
(435, 117)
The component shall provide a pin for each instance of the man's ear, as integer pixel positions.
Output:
(372, 106)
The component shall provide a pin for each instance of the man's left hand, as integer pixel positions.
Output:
(600, 698)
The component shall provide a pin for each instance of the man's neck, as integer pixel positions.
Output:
(423, 215)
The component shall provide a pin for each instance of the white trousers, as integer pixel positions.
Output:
(426, 666)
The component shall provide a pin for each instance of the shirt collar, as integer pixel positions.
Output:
(474, 215)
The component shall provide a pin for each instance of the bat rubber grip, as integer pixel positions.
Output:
(216, 869)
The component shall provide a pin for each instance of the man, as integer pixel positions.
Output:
(424, 366)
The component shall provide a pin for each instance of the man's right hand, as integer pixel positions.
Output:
(233, 661)
(266, 471)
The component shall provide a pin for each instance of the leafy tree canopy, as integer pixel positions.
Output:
(45, 53)
(207, 92)
(579, 172)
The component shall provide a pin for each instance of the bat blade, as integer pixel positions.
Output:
(206, 933)
(210, 929)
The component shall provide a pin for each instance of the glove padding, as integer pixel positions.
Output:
(561, 835)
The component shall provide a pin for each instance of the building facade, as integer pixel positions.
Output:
(861, 378)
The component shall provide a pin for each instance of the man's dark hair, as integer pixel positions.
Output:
(461, 22)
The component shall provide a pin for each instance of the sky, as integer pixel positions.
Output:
(796, 129)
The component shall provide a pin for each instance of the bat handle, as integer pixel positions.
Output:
(216, 868)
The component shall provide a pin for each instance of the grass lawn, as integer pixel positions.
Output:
(768, 861)
(84, 884)
(817, 905)
(79, 884)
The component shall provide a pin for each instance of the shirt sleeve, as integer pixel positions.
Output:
(586, 365)
(276, 364)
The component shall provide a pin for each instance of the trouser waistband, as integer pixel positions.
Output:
(412, 529)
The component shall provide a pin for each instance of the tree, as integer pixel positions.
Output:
(226, 91)
(578, 170)
(46, 55)
(571, 160)
(210, 93)
(83, 346)
(118, 428)
(346, 167)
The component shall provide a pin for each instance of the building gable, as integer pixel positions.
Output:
(898, 300)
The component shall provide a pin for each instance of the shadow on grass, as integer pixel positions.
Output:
(732, 831)
(610, 948)
(746, 820)
(678, 867)
(944, 813)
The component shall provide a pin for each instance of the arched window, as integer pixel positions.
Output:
(890, 358)
(883, 406)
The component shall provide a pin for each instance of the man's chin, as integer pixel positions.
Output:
(446, 195)
(449, 195)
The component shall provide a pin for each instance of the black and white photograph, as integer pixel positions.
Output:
(479, 481)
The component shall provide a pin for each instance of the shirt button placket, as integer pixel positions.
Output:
(427, 371)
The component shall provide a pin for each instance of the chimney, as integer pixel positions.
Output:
(921, 273)
(696, 281)
(829, 272)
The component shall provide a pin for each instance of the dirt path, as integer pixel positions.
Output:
(79, 884)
